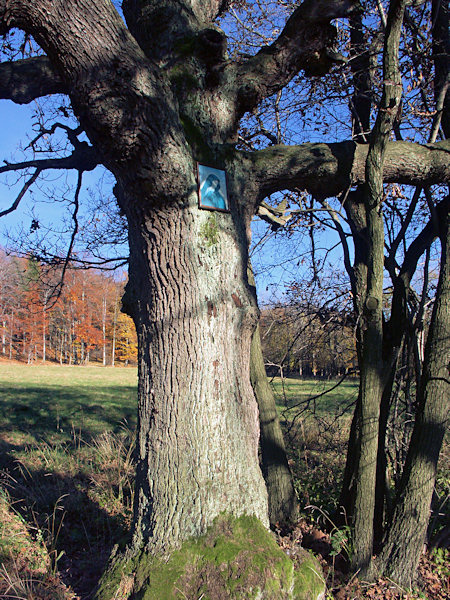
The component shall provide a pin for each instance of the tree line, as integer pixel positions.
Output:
(308, 341)
(75, 323)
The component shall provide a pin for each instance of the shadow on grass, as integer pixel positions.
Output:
(49, 410)
(63, 510)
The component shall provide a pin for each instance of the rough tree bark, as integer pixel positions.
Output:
(198, 421)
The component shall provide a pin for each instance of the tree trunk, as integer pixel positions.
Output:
(104, 330)
(113, 344)
(198, 426)
(381, 489)
(371, 391)
(346, 508)
(372, 367)
(357, 217)
(283, 504)
(406, 535)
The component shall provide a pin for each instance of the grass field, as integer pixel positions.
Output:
(66, 438)
(325, 398)
(66, 468)
(49, 402)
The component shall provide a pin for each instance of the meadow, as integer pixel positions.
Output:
(50, 402)
(67, 469)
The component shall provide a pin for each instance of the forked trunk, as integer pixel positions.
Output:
(406, 535)
(198, 421)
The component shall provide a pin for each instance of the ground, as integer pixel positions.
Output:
(66, 447)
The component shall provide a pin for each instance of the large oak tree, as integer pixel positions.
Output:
(155, 94)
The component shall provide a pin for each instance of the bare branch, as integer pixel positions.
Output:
(275, 216)
(83, 158)
(306, 42)
(25, 80)
(76, 203)
(22, 193)
(402, 282)
(71, 134)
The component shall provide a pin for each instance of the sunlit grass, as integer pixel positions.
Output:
(53, 402)
(67, 467)
(310, 399)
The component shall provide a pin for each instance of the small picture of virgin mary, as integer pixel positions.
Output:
(212, 185)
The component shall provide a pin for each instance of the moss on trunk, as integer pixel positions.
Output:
(235, 559)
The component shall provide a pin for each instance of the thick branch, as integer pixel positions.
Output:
(159, 26)
(326, 170)
(84, 158)
(305, 43)
(25, 80)
(115, 92)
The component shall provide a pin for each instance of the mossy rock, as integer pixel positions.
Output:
(237, 559)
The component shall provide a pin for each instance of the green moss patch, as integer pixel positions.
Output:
(209, 231)
(309, 580)
(238, 559)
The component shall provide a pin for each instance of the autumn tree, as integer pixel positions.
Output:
(154, 93)
(72, 324)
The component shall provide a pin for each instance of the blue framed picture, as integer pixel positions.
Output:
(212, 188)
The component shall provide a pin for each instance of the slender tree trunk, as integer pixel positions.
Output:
(358, 278)
(113, 345)
(406, 535)
(346, 508)
(44, 329)
(198, 426)
(371, 392)
(11, 334)
(372, 366)
(104, 329)
(3, 336)
(44, 334)
(381, 485)
(283, 504)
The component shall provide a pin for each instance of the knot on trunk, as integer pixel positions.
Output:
(211, 46)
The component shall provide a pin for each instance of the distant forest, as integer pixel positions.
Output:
(77, 322)
(308, 341)
(80, 321)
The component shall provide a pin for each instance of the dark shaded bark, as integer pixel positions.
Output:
(25, 80)
(283, 504)
(406, 534)
(346, 503)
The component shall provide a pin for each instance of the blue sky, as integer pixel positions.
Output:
(278, 263)
(15, 123)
